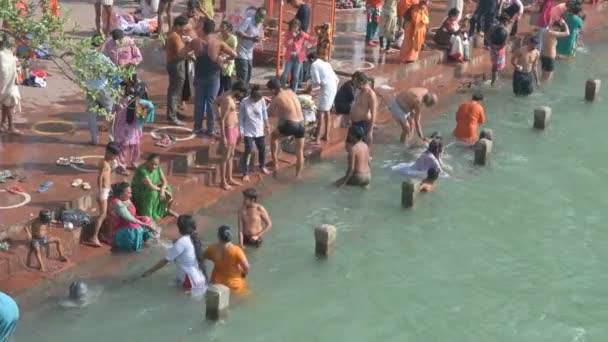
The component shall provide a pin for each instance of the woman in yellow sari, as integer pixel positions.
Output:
(414, 31)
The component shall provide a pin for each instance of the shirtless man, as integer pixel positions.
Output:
(104, 183)
(549, 52)
(406, 109)
(229, 131)
(38, 235)
(358, 172)
(286, 106)
(364, 109)
(211, 53)
(525, 62)
(254, 220)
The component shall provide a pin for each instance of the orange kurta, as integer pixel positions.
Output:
(227, 270)
(414, 34)
(468, 118)
(404, 5)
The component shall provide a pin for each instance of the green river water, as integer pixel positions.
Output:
(515, 251)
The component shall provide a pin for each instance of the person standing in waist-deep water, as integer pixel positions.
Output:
(525, 61)
(211, 53)
(9, 315)
(416, 21)
(286, 106)
(358, 172)
(228, 68)
(250, 32)
(566, 46)
(229, 131)
(372, 8)
(254, 220)
(176, 67)
(388, 24)
(230, 264)
(322, 74)
(187, 254)
(9, 91)
(468, 118)
(296, 42)
(548, 53)
(253, 125)
(364, 110)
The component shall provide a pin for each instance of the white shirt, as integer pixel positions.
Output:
(252, 116)
(426, 161)
(183, 254)
(323, 74)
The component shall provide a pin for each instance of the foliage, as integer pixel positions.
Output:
(77, 58)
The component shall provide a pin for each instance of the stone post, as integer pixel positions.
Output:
(483, 148)
(542, 116)
(592, 88)
(408, 193)
(217, 300)
(325, 236)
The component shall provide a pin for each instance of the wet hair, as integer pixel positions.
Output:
(45, 216)
(437, 135)
(251, 194)
(208, 26)
(356, 133)
(187, 226)
(273, 84)
(117, 34)
(559, 25)
(485, 134)
(152, 156)
(295, 24)
(240, 87)
(432, 174)
(430, 97)
(255, 93)
(113, 148)
(313, 56)
(360, 77)
(78, 290)
(435, 147)
(477, 97)
(576, 9)
(224, 234)
(119, 189)
(454, 12)
(180, 21)
(227, 25)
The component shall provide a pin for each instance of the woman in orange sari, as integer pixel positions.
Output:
(230, 265)
(416, 20)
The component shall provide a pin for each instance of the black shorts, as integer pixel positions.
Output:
(248, 241)
(292, 128)
(547, 64)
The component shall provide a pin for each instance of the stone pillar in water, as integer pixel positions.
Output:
(217, 300)
(325, 236)
(592, 88)
(483, 148)
(542, 116)
(408, 193)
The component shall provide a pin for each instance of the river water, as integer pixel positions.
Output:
(515, 251)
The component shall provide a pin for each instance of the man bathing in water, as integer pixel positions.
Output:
(406, 109)
(39, 236)
(364, 109)
(358, 172)
(229, 122)
(286, 107)
(549, 48)
(525, 62)
(254, 220)
(104, 183)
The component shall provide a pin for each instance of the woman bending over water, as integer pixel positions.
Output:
(230, 265)
(431, 157)
(187, 254)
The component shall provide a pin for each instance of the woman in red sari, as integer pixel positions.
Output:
(416, 21)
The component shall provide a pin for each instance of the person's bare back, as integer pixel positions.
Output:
(550, 37)
(286, 106)
(360, 151)
(411, 99)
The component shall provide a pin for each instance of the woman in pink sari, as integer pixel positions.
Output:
(128, 232)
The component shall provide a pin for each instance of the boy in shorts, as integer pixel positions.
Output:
(37, 232)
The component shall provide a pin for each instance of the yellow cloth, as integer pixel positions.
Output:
(207, 8)
(227, 270)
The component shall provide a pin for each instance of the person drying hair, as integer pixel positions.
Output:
(187, 254)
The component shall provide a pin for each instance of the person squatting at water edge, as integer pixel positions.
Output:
(254, 220)
(358, 171)
(187, 254)
(38, 233)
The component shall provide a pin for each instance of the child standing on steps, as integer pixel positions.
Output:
(373, 19)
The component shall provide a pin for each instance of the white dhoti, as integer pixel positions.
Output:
(323, 74)
(9, 91)
(327, 94)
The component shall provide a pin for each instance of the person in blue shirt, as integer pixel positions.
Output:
(249, 33)
(303, 13)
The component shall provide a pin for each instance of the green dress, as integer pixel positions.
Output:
(566, 46)
(147, 201)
